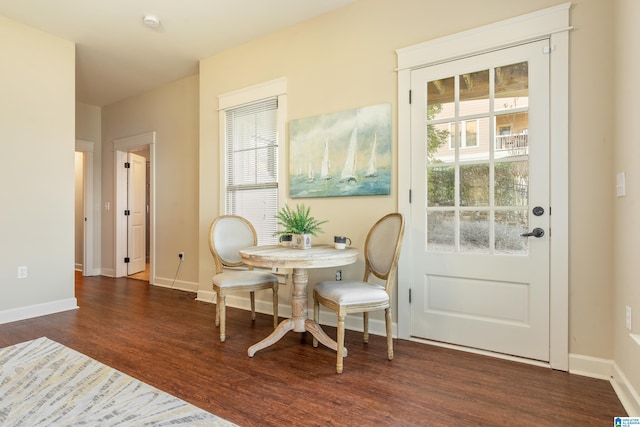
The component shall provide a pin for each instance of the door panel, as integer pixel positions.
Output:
(480, 163)
(137, 184)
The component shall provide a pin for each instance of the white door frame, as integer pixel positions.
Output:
(120, 149)
(86, 147)
(552, 23)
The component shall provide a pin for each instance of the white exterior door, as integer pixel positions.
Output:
(137, 206)
(480, 179)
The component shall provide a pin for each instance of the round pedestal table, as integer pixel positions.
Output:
(319, 256)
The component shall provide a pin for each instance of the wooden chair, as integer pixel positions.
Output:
(381, 252)
(227, 235)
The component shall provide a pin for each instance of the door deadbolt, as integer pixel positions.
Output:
(538, 211)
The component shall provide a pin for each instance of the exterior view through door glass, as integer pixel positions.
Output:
(480, 165)
(477, 192)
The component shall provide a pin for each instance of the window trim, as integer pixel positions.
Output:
(274, 88)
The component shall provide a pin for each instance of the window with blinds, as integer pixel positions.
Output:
(251, 157)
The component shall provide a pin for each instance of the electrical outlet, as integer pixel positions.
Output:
(181, 256)
(338, 274)
(628, 318)
(22, 272)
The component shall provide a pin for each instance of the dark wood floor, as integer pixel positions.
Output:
(167, 339)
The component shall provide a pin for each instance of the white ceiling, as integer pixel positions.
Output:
(117, 56)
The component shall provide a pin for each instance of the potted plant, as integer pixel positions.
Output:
(299, 224)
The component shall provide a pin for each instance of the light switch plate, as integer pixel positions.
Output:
(22, 272)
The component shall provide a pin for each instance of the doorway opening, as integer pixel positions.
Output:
(128, 242)
(138, 167)
(84, 209)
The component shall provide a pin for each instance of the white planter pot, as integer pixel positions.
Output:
(301, 241)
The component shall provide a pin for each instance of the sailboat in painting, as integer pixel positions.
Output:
(372, 171)
(311, 176)
(349, 170)
(325, 166)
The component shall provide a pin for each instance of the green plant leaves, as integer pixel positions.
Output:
(298, 221)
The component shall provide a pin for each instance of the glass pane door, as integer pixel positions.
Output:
(477, 161)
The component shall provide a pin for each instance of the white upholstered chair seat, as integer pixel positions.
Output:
(352, 293)
(235, 278)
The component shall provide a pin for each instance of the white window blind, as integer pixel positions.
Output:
(251, 142)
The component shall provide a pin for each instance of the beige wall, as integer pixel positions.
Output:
(172, 112)
(590, 175)
(37, 175)
(627, 209)
(88, 123)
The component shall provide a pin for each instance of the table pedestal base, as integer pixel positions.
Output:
(289, 325)
(299, 321)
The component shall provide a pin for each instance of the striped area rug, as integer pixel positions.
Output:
(43, 383)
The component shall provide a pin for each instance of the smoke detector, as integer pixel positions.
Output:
(151, 21)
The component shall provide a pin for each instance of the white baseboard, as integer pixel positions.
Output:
(93, 272)
(36, 310)
(108, 272)
(607, 370)
(161, 281)
(588, 366)
(176, 284)
(625, 391)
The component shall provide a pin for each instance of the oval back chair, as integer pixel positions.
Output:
(227, 235)
(381, 253)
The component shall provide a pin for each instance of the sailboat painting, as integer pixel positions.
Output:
(350, 150)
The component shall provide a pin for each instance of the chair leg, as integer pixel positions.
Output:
(222, 312)
(275, 307)
(365, 319)
(217, 309)
(387, 318)
(316, 317)
(340, 341)
(253, 305)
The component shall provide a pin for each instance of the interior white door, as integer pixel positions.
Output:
(480, 179)
(137, 206)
